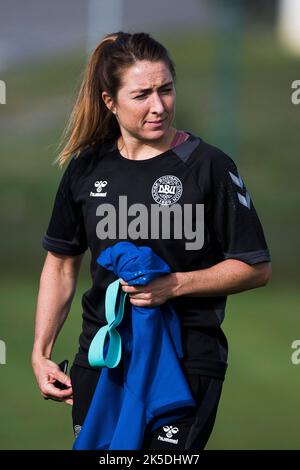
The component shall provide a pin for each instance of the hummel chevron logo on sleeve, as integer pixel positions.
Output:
(245, 200)
(237, 180)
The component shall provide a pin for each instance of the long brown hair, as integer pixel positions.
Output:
(91, 122)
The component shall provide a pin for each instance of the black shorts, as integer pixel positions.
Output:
(190, 433)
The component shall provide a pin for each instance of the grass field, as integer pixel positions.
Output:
(260, 403)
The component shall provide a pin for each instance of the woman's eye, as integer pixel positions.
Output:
(166, 90)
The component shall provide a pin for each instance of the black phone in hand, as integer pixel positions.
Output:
(63, 367)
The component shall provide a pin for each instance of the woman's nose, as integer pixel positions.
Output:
(157, 105)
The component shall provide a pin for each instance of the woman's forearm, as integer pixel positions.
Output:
(228, 277)
(55, 296)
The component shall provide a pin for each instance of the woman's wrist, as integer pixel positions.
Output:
(184, 284)
(38, 355)
(178, 284)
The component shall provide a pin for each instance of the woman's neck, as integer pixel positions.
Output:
(135, 149)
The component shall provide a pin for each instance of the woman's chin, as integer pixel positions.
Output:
(154, 134)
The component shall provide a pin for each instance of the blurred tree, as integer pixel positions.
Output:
(229, 18)
(261, 12)
(256, 12)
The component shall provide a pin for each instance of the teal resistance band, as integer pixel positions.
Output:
(114, 350)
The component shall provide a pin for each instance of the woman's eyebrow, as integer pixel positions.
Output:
(145, 90)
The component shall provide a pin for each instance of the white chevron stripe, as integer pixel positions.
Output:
(237, 180)
(245, 200)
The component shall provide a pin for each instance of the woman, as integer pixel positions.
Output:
(128, 162)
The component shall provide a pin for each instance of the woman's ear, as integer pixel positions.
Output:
(108, 101)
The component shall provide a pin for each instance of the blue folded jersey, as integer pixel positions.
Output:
(148, 388)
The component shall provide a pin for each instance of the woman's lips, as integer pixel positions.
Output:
(155, 123)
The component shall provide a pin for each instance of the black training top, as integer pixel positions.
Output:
(104, 197)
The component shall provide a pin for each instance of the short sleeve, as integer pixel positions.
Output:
(66, 232)
(236, 223)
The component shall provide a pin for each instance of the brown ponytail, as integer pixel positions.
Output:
(91, 122)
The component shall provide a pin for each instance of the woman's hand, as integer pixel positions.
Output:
(46, 373)
(155, 293)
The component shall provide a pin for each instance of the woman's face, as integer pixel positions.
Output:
(145, 102)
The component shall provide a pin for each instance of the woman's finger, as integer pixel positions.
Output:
(141, 296)
(133, 290)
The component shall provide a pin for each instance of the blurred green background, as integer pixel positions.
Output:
(259, 407)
